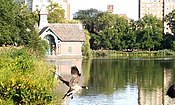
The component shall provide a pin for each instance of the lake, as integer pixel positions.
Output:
(128, 81)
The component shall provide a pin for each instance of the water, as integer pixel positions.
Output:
(121, 81)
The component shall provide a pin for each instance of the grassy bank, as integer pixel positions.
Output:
(160, 53)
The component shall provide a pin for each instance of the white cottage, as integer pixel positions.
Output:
(65, 40)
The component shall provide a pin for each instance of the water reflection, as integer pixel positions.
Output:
(122, 81)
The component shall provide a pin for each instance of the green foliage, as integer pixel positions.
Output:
(121, 54)
(98, 53)
(8, 30)
(88, 19)
(114, 27)
(110, 28)
(29, 35)
(149, 32)
(113, 32)
(95, 42)
(17, 27)
(22, 91)
(25, 21)
(170, 20)
(24, 79)
(37, 46)
(167, 52)
(129, 39)
(168, 43)
(105, 29)
(86, 46)
(17, 61)
(56, 13)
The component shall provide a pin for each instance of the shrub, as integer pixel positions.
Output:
(86, 51)
(24, 79)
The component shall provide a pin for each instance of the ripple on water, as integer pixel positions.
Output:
(127, 96)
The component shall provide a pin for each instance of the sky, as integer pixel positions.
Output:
(128, 7)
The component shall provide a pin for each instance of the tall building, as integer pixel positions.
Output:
(158, 8)
(37, 4)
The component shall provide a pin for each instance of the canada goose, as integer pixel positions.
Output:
(73, 83)
(171, 91)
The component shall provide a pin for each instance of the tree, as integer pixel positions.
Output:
(170, 19)
(105, 29)
(95, 41)
(29, 37)
(56, 13)
(167, 42)
(111, 28)
(149, 32)
(8, 31)
(25, 21)
(88, 19)
(129, 39)
(17, 26)
(86, 46)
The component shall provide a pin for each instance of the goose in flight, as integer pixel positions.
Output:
(73, 83)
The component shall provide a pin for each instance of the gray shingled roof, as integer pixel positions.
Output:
(68, 32)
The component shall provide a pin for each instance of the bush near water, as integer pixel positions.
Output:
(24, 79)
(114, 53)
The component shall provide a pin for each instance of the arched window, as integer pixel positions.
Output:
(70, 49)
(52, 45)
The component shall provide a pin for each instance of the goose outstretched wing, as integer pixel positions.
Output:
(61, 79)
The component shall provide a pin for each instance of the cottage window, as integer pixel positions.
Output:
(70, 49)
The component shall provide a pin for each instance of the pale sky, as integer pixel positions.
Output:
(128, 7)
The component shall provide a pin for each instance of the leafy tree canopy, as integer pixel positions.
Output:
(170, 19)
(17, 26)
(150, 32)
(113, 32)
(56, 13)
(111, 28)
(8, 29)
(88, 19)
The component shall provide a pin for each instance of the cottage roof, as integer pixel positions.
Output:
(67, 32)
